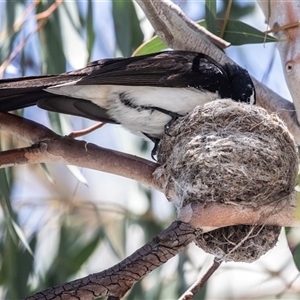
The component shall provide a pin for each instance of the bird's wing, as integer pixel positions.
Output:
(165, 69)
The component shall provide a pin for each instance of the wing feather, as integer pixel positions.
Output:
(167, 69)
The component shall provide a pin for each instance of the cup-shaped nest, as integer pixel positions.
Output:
(231, 153)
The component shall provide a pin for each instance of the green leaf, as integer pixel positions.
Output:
(211, 6)
(16, 266)
(87, 249)
(74, 249)
(239, 33)
(13, 10)
(238, 10)
(127, 26)
(210, 15)
(52, 52)
(296, 256)
(90, 33)
(153, 45)
(5, 189)
(21, 236)
(55, 122)
(47, 173)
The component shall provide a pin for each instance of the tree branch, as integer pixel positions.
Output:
(117, 280)
(283, 19)
(51, 148)
(199, 215)
(199, 284)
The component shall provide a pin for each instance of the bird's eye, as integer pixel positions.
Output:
(289, 67)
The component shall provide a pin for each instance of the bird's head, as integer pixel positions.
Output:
(242, 87)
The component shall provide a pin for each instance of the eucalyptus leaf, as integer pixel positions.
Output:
(210, 15)
(7, 34)
(74, 249)
(55, 122)
(239, 33)
(238, 10)
(16, 266)
(47, 173)
(52, 47)
(153, 45)
(21, 236)
(10, 217)
(127, 29)
(211, 5)
(296, 256)
(90, 32)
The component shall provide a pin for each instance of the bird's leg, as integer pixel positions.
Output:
(155, 141)
(174, 116)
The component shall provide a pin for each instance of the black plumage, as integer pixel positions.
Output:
(119, 90)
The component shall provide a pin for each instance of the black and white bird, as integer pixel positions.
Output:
(143, 93)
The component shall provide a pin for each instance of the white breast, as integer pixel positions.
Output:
(152, 121)
(140, 116)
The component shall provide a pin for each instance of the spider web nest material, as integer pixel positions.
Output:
(235, 154)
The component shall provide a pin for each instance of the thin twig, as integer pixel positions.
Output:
(85, 131)
(199, 284)
(283, 27)
(226, 18)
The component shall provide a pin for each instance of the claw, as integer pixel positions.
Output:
(174, 116)
(156, 142)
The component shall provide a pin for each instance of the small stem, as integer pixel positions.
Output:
(78, 133)
(226, 18)
(199, 284)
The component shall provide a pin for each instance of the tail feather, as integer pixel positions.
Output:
(22, 92)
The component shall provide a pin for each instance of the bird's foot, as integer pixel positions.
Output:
(156, 142)
(174, 116)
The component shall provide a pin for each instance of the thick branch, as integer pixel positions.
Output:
(25, 129)
(283, 19)
(116, 281)
(199, 215)
(52, 148)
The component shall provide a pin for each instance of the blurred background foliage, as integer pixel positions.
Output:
(60, 223)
